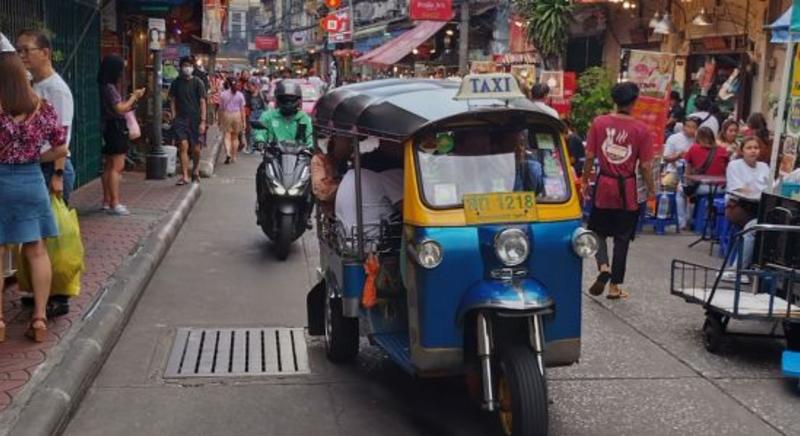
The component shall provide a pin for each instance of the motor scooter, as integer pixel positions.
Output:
(283, 190)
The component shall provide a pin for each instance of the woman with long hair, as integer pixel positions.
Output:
(757, 126)
(727, 137)
(115, 131)
(232, 118)
(26, 218)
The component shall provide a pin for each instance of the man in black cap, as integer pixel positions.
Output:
(621, 144)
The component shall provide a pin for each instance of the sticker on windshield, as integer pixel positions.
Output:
(545, 141)
(445, 193)
(444, 143)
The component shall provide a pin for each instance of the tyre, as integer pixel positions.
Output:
(341, 333)
(713, 333)
(522, 394)
(285, 236)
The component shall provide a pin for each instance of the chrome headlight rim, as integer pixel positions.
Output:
(585, 242)
(422, 250)
(505, 236)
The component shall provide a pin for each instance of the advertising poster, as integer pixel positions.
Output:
(653, 72)
(555, 81)
(343, 31)
(431, 10)
(213, 18)
(796, 75)
(562, 105)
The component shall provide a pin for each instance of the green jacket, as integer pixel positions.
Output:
(279, 128)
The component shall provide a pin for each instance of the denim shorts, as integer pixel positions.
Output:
(26, 215)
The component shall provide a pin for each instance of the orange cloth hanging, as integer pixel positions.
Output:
(370, 294)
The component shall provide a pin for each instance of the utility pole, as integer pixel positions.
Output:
(463, 39)
(286, 15)
(156, 160)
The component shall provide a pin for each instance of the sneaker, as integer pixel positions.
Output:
(119, 210)
(105, 208)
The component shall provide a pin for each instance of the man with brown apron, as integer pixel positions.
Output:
(620, 143)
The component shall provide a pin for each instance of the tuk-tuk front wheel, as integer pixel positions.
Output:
(341, 333)
(522, 394)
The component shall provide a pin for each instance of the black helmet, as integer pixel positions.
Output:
(288, 89)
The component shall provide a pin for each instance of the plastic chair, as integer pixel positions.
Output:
(671, 218)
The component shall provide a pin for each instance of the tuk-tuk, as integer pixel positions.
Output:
(478, 271)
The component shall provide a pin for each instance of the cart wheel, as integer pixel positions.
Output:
(341, 333)
(713, 333)
(522, 394)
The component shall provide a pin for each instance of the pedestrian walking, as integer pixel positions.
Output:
(115, 131)
(35, 49)
(188, 103)
(26, 217)
(621, 144)
(232, 118)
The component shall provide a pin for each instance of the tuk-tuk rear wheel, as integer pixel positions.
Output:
(341, 333)
(522, 394)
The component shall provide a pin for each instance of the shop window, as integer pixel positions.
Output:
(584, 53)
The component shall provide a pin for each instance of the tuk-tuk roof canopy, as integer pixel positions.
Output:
(398, 108)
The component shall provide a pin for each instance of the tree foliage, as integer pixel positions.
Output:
(592, 98)
(548, 24)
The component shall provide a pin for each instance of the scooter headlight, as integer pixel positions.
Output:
(429, 254)
(512, 247)
(585, 242)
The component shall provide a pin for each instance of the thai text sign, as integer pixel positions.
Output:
(431, 10)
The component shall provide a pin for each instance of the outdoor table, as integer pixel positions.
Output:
(714, 183)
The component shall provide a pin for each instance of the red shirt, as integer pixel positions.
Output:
(619, 143)
(21, 142)
(697, 154)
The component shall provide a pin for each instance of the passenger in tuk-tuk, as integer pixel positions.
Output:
(327, 170)
(381, 192)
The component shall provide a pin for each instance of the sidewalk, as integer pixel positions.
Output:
(112, 245)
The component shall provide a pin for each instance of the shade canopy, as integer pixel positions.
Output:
(780, 28)
(398, 108)
(398, 48)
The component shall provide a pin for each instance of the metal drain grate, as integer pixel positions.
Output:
(200, 352)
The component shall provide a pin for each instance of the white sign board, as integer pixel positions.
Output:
(497, 86)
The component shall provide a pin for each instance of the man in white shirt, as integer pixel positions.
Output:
(35, 48)
(380, 192)
(674, 149)
(539, 93)
(704, 105)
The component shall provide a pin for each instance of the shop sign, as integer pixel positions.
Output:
(514, 58)
(518, 40)
(213, 17)
(653, 72)
(343, 31)
(563, 104)
(555, 81)
(299, 38)
(431, 10)
(173, 52)
(266, 42)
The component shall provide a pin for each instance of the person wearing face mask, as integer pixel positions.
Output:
(188, 103)
(284, 122)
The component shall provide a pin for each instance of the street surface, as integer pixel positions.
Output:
(643, 368)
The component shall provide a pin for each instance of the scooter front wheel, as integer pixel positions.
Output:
(522, 394)
(285, 236)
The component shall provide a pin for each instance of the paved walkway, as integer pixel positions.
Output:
(108, 240)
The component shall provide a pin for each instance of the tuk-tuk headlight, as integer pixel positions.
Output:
(429, 254)
(585, 242)
(512, 247)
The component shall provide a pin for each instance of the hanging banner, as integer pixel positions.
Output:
(518, 40)
(213, 19)
(431, 10)
(653, 72)
(344, 30)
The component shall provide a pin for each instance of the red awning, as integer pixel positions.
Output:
(398, 48)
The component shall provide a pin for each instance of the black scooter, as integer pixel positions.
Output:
(283, 188)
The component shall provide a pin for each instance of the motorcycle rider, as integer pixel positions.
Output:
(285, 123)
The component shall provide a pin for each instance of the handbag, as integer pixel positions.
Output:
(134, 131)
(690, 190)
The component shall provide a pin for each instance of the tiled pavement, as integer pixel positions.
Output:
(108, 240)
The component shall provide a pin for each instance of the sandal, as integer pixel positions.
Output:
(600, 284)
(617, 293)
(37, 334)
(181, 182)
(2, 330)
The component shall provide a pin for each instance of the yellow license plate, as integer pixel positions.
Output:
(504, 207)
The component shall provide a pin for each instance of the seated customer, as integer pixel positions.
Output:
(705, 157)
(380, 193)
(327, 170)
(747, 176)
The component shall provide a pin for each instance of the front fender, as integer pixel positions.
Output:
(522, 295)
(287, 207)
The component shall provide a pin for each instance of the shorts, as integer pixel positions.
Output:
(26, 215)
(115, 137)
(187, 130)
(231, 122)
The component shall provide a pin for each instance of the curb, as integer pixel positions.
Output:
(207, 164)
(81, 355)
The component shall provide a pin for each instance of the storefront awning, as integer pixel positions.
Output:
(398, 48)
(780, 28)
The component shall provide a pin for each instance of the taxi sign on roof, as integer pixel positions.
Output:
(495, 86)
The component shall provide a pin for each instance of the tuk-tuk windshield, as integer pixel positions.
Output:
(456, 162)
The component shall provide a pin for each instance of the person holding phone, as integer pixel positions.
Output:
(115, 131)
